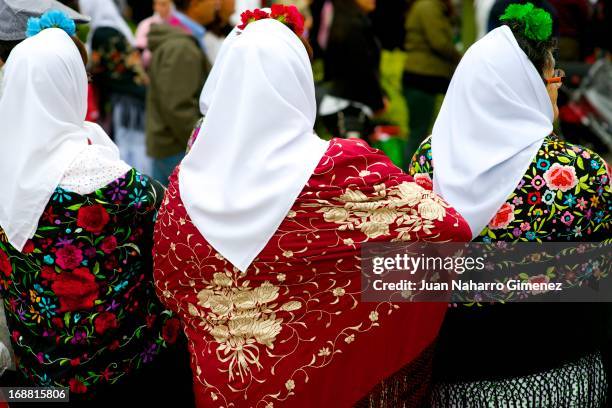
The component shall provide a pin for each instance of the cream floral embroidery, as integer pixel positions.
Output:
(408, 205)
(242, 319)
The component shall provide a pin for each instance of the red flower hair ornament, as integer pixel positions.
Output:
(288, 15)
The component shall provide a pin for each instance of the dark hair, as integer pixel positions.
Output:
(82, 50)
(182, 5)
(6, 47)
(308, 47)
(538, 52)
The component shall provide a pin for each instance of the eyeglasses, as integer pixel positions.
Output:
(557, 78)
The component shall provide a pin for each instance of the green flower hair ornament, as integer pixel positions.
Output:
(538, 22)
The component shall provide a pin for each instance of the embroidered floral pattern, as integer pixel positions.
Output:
(270, 334)
(79, 300)
(562, 197)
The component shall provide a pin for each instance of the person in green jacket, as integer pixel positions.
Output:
(431, 58)
(178, 70)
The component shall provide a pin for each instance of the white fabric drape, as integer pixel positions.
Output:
(42, 113)
(257, 148)
(492, 123)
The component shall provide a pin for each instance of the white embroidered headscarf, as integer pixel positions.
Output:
(492, 123)
(257, 148)
(42, 113)
(105, 13)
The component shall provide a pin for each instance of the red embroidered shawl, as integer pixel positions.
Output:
(292, 331)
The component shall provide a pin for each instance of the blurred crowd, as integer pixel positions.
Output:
(150, 59)
(103, 267)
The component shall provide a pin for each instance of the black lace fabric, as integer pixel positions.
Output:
(581, 383)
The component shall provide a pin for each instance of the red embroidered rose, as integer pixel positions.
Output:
(503, 218)
(75, 290)
(104, 322)
(290, 16)
(75, 362)
(560, 177)
(108, 245)
(69, 257)
(251, 16)
(92, 218)
(77, 387)
(5, 264)
(170, 330)
(48, 273)
(423, 180)
(29, 247)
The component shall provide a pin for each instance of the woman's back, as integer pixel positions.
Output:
(79, 300)
(564, 196)
(293, 322)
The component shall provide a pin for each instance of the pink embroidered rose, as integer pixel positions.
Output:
(69, 257)
(503, 218)
(559, 177)
(423, 180)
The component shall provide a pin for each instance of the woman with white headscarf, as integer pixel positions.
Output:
(75, 234)
(119, 80)
(257, 245)
(493, 156)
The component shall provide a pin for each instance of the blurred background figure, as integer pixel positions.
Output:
(573, 17)
(163, 13)
(178, 70)
(353, 91)
(389, 20)
(431, 58)
(217, 31)
(119, 81)
(482, 11)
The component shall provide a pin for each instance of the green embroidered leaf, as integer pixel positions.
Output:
(563, 159)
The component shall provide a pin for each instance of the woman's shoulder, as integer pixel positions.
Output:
(563, 195)
(356, 153)
(132, 188)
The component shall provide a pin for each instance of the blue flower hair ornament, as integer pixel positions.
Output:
(51, 19)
